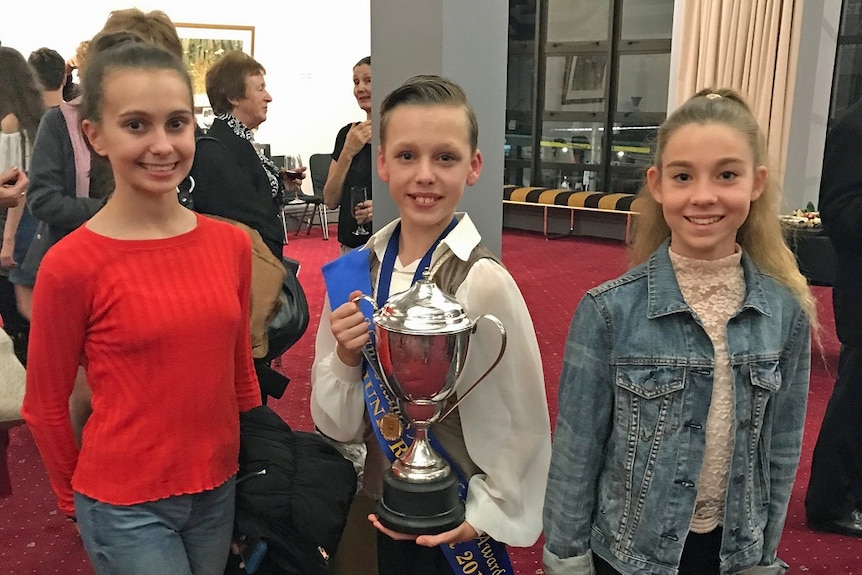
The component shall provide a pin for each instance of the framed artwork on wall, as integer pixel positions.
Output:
(203, 44)
(584, 79)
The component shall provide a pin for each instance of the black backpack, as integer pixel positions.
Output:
(294, 490)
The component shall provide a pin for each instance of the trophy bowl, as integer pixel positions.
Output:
(422, 337)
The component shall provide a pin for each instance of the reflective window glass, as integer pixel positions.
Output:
(851, 18)
(578, 20)
(572, 142)
(647, 20)
(576, 83)
(847, 83)
(519, 83)
(643, 83)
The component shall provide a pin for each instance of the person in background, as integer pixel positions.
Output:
(833, 501)
(233, 179)
(152, 485)
(428, 154)
(72, 89)
(21, 108)
(684, 383)
(48, 66)
(13, 187)
(351, 165)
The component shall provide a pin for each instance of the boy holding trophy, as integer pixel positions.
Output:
(497, 440)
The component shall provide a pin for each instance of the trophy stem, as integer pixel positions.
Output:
(421, 464)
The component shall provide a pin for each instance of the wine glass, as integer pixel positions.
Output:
(359, 194)
(292, 164)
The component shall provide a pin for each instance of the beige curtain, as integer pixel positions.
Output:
(749, 45)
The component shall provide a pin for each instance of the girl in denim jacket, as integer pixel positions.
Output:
(683, 391)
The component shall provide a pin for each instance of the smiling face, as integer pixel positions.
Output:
(146, 129)
(705, 185)
(252, 108)
(426, 158)
(362, 86)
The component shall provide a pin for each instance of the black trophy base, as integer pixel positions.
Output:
(420, 508)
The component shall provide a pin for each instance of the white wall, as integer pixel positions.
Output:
(308, 49)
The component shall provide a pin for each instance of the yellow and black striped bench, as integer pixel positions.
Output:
(622, 204)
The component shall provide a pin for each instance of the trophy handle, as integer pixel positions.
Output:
(503, 339)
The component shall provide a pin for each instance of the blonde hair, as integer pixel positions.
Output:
(760, 235)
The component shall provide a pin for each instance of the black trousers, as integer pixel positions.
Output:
(407, 558)
(13, 321)
(835, 487)
(699, 555)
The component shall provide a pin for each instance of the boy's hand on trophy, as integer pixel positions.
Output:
(350, 328)
(462, 533)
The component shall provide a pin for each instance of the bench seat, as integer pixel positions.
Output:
(619, 203)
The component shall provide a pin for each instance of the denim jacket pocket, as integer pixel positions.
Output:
(650, 400)
(765, 378)
(650, 382)
(649, 404)
(766, 374)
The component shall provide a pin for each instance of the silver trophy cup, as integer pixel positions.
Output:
(422, 338)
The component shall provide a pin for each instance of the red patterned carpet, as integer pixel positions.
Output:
(553, 275)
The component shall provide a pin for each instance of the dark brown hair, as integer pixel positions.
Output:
(49, 67)
(125, 56)
(225, 80)
(20, 91)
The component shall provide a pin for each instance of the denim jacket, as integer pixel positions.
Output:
(634, 396)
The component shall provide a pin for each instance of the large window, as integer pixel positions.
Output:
(587, 88)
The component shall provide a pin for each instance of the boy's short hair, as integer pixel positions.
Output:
(429, 90)
(49, 66)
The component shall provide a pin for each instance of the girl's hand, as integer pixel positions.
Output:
(462, 533)
(350, 328)
(358, 135)
(6, 251)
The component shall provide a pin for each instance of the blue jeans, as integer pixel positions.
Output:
(181, 535)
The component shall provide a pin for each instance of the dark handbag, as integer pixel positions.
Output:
(294, 316)
(292, 321)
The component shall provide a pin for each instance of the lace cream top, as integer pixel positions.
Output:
(714, 289)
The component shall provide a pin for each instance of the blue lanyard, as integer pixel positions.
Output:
(388, 264)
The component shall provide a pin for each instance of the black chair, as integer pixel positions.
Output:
(314, 205)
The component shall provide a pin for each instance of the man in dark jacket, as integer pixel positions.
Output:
(834, 499)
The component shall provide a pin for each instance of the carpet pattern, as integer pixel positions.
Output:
(553, 275)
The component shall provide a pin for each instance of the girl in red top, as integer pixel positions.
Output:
(153, 300)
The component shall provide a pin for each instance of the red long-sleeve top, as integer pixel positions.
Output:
(161, 327)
